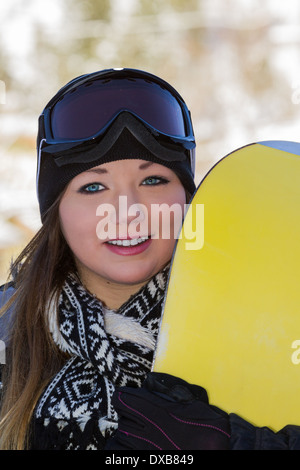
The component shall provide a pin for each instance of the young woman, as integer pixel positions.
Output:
(81, 312)
(84, 306)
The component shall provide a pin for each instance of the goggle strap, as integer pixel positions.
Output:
(66, 153)
(39, 159)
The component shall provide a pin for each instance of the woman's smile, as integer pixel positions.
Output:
(129, 247)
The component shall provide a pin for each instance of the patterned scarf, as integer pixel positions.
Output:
(107, 349)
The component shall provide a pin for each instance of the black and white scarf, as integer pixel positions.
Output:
(107, 349)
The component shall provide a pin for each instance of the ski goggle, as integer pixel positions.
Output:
(93, 109)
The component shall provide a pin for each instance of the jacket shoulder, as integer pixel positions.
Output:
(8, 285)
(6, 291)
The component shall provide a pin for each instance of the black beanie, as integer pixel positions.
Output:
(53, 180)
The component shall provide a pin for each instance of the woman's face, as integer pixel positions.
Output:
(119, 221)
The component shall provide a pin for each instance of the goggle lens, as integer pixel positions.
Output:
(84, 111)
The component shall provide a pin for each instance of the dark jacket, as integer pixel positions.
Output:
(6, 322)
(6, 291)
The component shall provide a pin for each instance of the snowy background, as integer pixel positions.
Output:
(236, 63)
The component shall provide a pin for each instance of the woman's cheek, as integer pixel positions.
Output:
(76, 223)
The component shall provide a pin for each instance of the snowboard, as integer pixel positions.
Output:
(231, 318)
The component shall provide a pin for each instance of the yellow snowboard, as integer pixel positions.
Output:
(231, 319)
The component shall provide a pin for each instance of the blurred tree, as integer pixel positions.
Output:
(218, 53)
(226, 57)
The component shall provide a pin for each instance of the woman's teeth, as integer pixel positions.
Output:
(131, 242)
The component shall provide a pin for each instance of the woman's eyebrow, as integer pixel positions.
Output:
(146, 165)
(97, 170)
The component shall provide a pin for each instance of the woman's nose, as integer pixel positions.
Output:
(129, 208)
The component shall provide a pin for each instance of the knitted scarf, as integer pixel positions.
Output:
(107, 349)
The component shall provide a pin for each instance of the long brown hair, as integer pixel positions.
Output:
(32, 357)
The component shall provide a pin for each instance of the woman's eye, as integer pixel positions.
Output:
(92, 188)
(154, 180)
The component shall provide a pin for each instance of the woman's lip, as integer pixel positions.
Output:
(129, 250)
(127, 238)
